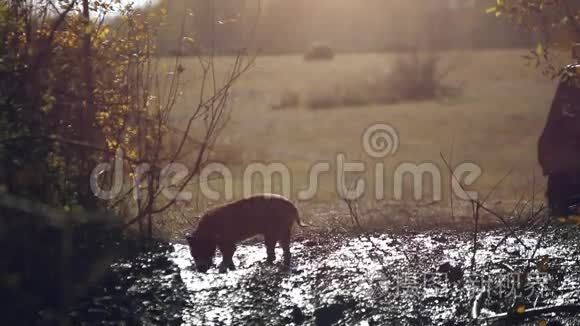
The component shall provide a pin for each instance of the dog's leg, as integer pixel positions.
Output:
(270, 248)
(227, 250)
(285, 243)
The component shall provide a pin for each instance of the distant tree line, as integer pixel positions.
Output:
(281, 26)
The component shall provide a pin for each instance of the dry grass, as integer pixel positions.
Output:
(288, 99)
(412, 77)
(495, 123)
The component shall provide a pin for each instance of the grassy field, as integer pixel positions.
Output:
(495, 121)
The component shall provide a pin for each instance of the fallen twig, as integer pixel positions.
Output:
(534, 312)
(478, 303)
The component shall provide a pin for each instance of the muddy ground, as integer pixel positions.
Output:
(428, 278)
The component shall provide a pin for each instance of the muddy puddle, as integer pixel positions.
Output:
(380, 279)
(418, 279)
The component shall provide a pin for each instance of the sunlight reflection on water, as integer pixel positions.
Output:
(318, 278)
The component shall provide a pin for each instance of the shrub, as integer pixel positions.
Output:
(354, 94)
(411, 78)
(55, 130)
(319, 51)
(288, 99)
(415, 77)
(324, 99)
(348, 95)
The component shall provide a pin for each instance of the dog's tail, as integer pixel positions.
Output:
(299, 221)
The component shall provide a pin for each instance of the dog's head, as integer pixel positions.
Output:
(202, 250)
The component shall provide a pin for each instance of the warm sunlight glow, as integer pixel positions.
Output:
(289, 162)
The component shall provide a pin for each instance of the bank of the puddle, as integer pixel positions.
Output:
(144, 290)
(412, 279)
(417, 279)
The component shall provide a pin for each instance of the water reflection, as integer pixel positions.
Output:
(380, 281)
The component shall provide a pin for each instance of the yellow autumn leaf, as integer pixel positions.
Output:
(575, 219)
(103, 32)
(543, 265)
(491, 10)
(132, 154)
(520, 309)
(542, 322)
(540, 50)
(561, 219)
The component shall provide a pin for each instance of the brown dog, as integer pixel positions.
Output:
(267, 214)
